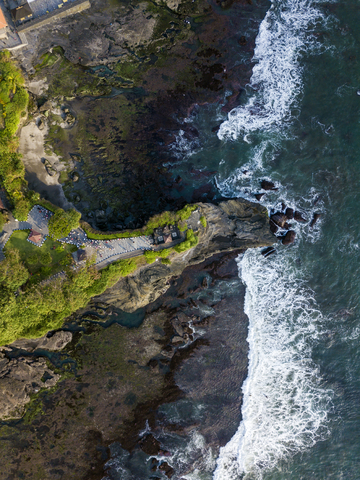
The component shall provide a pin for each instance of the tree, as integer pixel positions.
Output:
(45, 258)
(13, 273)
(61, 223)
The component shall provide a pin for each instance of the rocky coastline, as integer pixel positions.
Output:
(113, 372)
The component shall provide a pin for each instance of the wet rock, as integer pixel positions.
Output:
(165, 467)
(266, 185)
(298, 217)
(242, 41)
(315, 218)
(205, 282)
(289, 212)
(279, 219)
(75, 176)
(268, 251)
(289, 237)
(150, 445)
(216, 128)
(273, 227)
(259, 196)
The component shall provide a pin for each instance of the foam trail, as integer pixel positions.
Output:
(284, 407)
(277, 75)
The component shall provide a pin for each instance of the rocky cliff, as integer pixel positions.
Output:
(231, 225)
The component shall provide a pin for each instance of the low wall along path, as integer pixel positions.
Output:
(116, 249)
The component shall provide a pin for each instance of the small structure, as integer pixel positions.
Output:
(36, 238)
(22, 12)
(166, 234)
(3, 26)
(81, 255)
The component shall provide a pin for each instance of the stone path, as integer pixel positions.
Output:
(104, 249)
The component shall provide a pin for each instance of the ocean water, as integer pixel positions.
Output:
(298, 125)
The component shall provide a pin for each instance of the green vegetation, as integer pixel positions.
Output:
(13, 102)
(190, 242)
(61, 223)
(203, 221)
(160, 220)
(166, 261)
(3, 220)
(43, 307)
(34, 258)
(151, 255)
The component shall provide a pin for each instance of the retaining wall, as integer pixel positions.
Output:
(69, 9)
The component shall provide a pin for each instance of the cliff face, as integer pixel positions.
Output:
(231, 225)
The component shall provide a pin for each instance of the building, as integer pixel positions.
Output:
(166, 234)
(81, 255)
(35, 237)
(21, 13)
(3, 26)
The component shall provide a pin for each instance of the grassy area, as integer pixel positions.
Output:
(35, 258)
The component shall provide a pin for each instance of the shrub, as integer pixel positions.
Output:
(45, 258)
(67, 260)
(203, 221)
(150, 256)
(190, 242)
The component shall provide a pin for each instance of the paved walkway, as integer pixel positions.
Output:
(107, 251)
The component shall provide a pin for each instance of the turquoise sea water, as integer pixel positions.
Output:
(299, 126)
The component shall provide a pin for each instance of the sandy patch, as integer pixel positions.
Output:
(31, 147)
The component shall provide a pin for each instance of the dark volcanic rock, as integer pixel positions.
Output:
(266, 185)
(279, 219)
(289, 237)
(273, 227)
(259, 196)
(150, 445)
(299, 218)
(315, 218)
(165, 467)
(289, 212)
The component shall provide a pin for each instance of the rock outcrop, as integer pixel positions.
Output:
(231, 225)
(19, 379)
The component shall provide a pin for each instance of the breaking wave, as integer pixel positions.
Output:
(276, 81)
(284, 405)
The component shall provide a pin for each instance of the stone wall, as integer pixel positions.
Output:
(70, 9)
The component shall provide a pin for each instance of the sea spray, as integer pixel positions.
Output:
(284, 405)
(276, 80)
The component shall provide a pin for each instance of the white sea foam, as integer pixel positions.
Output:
(283, 36)
(183, 147)
(284, 407)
